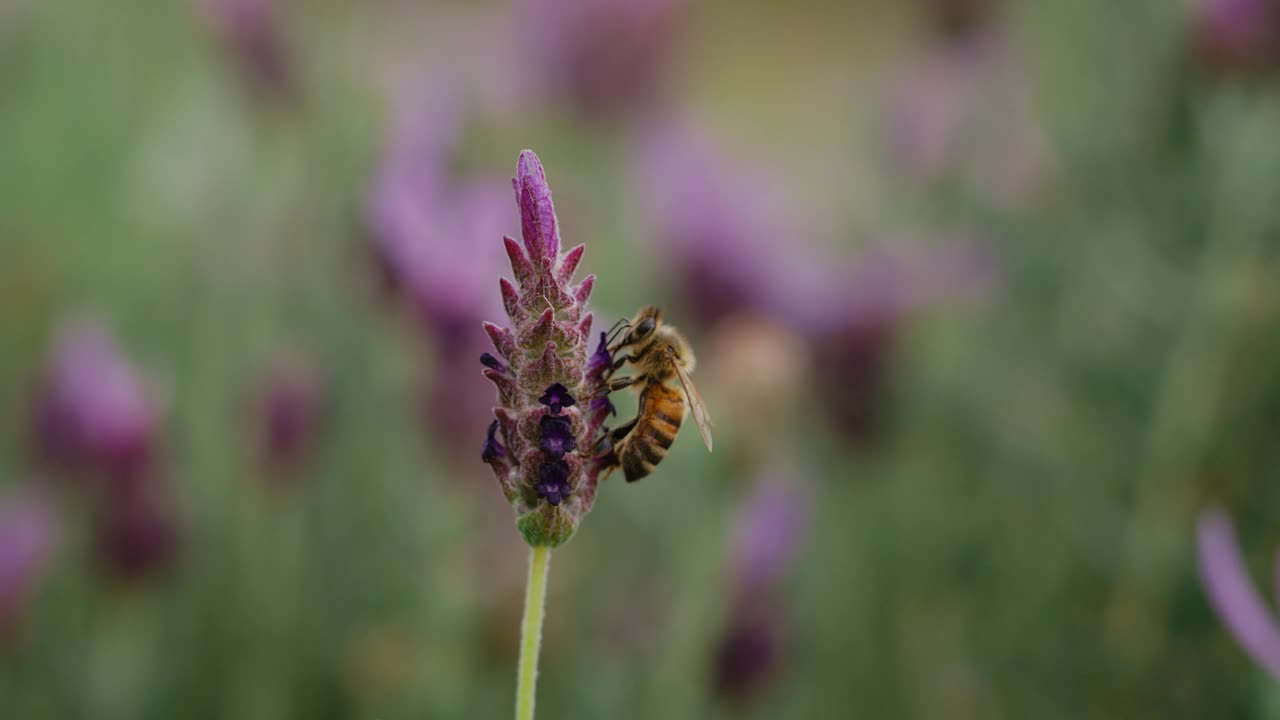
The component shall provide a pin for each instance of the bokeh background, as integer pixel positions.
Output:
(986, 298)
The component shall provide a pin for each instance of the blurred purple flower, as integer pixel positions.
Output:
(960, 18)
(770, 529)
(1232, 594)
(717, 226)
(290, 406)
(766, 539)
(965, 110)
(1237, 34)
(610, 56)
(410, 184)
(251, 33)
(93, 410)
(29, 531)
(853, 316)
(432, 236)
(137, 531)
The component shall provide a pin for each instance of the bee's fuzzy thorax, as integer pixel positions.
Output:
(551, 405)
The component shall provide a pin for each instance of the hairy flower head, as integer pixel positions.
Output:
(549, 415)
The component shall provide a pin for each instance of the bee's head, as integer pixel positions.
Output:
(645, 322)
(641, 327)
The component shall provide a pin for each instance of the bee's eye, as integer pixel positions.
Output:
(644, 328)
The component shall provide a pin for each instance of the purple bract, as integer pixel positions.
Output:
(1232, 593)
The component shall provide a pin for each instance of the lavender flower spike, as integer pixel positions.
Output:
(1233, 595)
(540, 446)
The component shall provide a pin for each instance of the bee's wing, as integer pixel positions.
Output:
(696, 405)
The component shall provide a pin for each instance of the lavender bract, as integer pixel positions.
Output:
(548, 420)
(1234, 598)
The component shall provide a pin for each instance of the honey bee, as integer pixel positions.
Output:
(659, 355)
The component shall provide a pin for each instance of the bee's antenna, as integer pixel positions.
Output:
(621, 325)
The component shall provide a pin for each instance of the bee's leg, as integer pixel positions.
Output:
(622, 382)
(617, 384)
(617, 364)
(621, 431)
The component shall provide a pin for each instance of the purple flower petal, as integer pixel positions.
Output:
(1232, 593)
(554, 482)
(556, 436)
(556, 397)
(492, 448)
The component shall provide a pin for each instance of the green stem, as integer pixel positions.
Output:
(535, 602)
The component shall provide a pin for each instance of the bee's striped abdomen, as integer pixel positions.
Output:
(661, 412)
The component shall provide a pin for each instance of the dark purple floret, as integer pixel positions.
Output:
(554, 472)
(603, 406)
(556, 397)
(600, 360)
(489, 361)
(553, 485)
(492, 448)
(557, 436)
